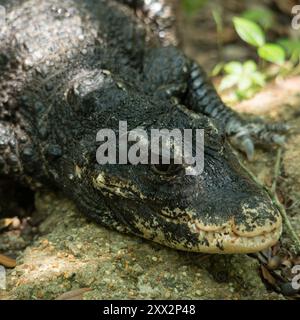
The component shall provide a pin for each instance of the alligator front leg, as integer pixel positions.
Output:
(202, 97)
(169, 73)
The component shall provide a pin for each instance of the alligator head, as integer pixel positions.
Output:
(221, 210)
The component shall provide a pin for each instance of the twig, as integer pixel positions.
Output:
(273, 195)
(276, 171)
(7, 262)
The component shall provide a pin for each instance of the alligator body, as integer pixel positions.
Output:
(70, 68)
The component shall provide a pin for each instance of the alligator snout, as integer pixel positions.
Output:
(237, 218)
(250, 230)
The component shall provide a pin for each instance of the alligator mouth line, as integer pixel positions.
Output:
(227, 240)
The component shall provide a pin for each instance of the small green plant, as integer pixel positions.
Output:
(254, 35)
(244, 77)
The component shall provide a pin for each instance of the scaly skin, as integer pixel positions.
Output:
(69, 69)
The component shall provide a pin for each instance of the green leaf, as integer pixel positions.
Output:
(292, 48)
(262, 16)
(290, 45)
(217, 69)
(245, 94)
(217, 15)
(258, 78)
(249, 31)
(229, 81)
(272, 52)
(245, 83)
(249, 66)
(233, 67)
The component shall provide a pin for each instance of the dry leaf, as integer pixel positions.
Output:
(7, 262)
(76, 294)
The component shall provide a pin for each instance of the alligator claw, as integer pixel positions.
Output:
(245, 144)
(248, 148)
(242, 135)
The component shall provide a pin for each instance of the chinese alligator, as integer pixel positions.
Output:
(69, 68)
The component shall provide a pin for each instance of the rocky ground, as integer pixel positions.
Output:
(73, 253)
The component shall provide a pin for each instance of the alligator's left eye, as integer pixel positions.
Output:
(167, 169)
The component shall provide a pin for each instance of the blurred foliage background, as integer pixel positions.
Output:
(243, 44)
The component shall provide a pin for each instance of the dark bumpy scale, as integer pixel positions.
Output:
(70, 68)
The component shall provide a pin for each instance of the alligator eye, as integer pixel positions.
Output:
(166, 169)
